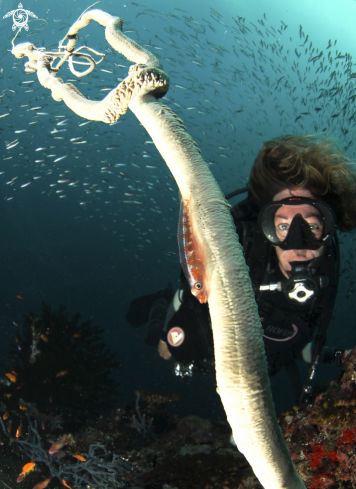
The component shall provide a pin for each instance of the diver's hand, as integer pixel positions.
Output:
(163, 350)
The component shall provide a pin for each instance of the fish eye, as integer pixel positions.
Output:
(198, 285)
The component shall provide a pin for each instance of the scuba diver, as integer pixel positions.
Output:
(301, 191)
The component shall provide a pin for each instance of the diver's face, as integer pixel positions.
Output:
(283, 219)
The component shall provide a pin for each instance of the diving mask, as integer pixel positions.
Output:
(298, 223)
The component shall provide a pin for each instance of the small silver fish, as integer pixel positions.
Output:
(56, 130)
(10, 182)
(12, 145)
(60, 158)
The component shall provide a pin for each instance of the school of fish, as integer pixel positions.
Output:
(236, 82)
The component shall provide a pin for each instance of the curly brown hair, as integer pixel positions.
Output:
(311, 163)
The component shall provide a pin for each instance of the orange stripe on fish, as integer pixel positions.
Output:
(191, 255)
(25, 470)
(43, 484)
(12, 377)
(79, 457)
(61, 373)
(56, 447)
(65, 484)
(28, 467)
(19, 431)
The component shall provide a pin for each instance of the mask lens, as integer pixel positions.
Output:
(305, 219)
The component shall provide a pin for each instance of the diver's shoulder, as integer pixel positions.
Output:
(246, 210)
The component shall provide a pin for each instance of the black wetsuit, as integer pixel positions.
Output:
(288, 327)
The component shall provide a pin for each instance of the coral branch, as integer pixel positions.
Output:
(101, 469)
(139, 422)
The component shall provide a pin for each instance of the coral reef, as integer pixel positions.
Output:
(96, 468)
(143, 446)
(153, 407)
(59, 367)
(176, 453)
(196, 453)
(157, 398)
(322, 438)
(191, 453)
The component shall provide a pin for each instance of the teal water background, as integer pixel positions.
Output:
(107, 234)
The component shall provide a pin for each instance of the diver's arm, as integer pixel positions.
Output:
(175, 304)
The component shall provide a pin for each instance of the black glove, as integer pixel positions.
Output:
(332, 355)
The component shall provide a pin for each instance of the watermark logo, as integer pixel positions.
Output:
(20, 17)
(175, 336)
